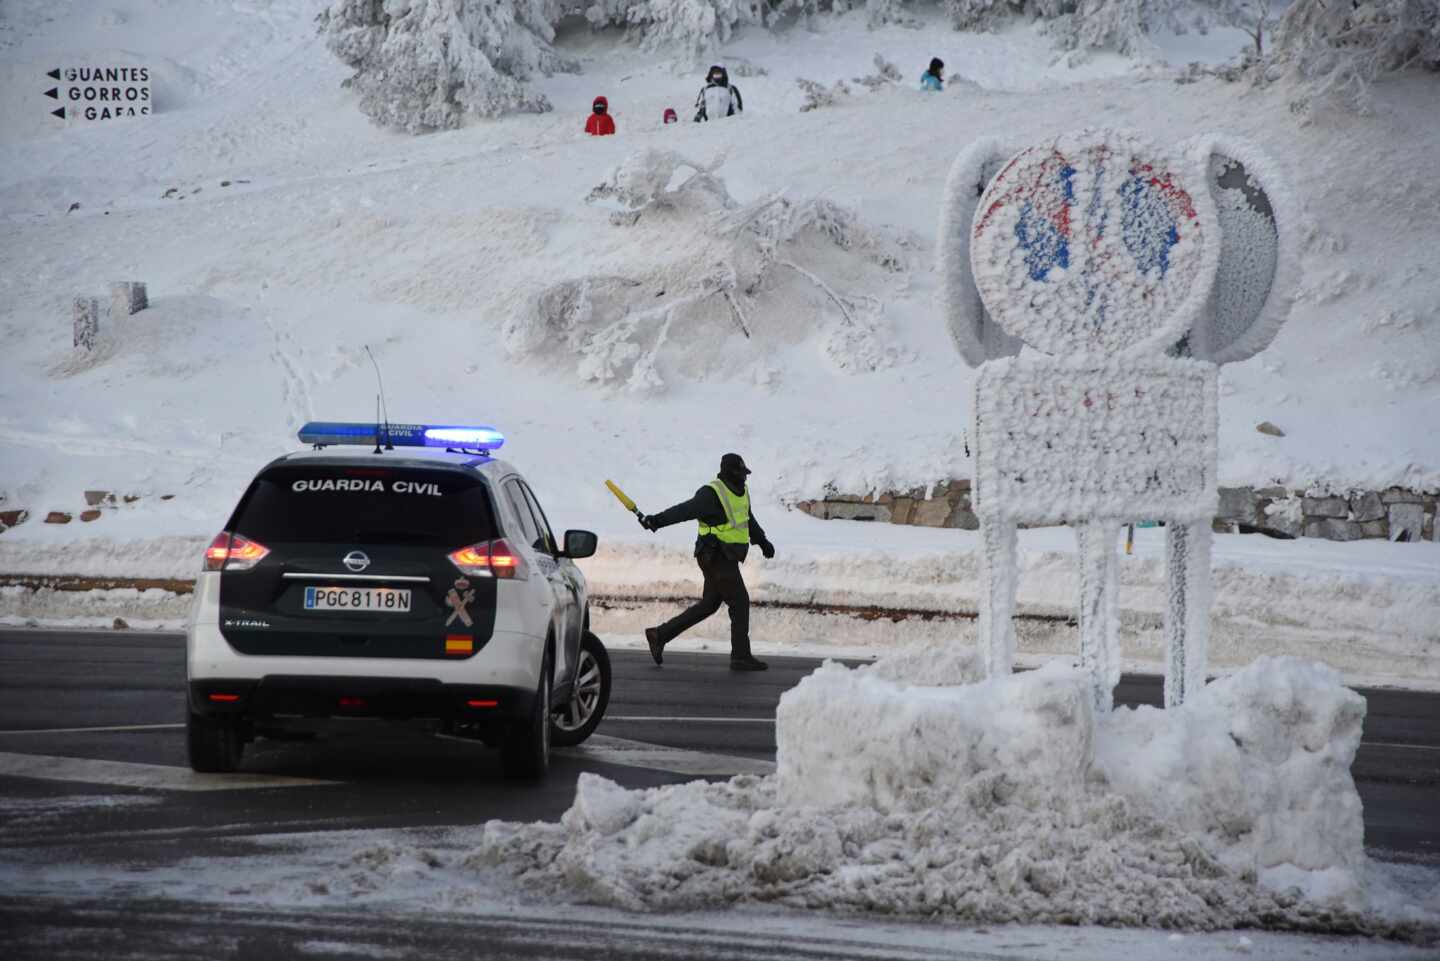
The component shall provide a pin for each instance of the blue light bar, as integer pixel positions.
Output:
(327, 433)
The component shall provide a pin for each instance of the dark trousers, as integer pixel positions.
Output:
(723, 583)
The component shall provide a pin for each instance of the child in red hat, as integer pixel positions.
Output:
(600, 123)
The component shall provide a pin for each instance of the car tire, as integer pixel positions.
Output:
(525, 752)
(213, 743)
(572, 723)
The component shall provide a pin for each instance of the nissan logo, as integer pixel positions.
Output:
(357, 561)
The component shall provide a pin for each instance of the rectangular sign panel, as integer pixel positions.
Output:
(1066, 441)
(98, 92)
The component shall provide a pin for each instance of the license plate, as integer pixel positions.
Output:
(382, 600)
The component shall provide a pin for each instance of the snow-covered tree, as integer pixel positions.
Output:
(882, 13)
(818, 95)
(982, 14)
(422, 64)
(885, 73)
(683, 27)
(1256, 17)
(1335, 48)
(1123, 26)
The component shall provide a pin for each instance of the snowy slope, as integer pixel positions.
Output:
(333, 234)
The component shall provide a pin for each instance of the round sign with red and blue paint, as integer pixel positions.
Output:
(1094, 243)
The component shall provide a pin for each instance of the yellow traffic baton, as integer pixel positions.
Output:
(620, 496)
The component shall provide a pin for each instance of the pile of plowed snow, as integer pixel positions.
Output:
(1000, 800)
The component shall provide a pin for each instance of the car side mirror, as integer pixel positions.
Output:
(580, 544)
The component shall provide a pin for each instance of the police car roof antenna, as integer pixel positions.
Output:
(382, 413)
(377, 424)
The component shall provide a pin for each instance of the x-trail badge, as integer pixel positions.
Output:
(356, 561)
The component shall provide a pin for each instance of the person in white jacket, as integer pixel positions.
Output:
(718, 98)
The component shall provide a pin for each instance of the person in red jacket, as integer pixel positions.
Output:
(600, 123)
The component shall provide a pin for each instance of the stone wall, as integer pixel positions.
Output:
(1394, 513)
(946, 505)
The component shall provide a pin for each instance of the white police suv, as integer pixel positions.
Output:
(394, 572)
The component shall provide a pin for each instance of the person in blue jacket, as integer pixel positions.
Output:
(934, 78)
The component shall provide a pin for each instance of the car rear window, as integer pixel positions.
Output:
(365, 505)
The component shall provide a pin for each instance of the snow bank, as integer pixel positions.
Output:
(846, 738)
(1256, 769)
(1367, 609)
(157, 557)
(999, 801)
(1257, 763)
(151, 610)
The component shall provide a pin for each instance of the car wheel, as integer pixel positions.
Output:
(213, 743)
(525, 752)
(577, 720)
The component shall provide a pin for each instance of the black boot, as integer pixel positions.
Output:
(747, 662)
(652, 638)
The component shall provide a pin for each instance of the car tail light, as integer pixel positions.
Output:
(504, 562)
(489, 559)
(218, 550)
(231, 552)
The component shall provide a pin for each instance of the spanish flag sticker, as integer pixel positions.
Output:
(459, 644)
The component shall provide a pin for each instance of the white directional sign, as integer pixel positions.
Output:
(99, 92)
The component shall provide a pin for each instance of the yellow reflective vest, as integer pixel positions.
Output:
(736, 529)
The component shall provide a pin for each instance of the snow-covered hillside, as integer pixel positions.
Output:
(280, 232)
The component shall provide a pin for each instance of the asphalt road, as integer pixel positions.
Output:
(119, 696)
(81, 709)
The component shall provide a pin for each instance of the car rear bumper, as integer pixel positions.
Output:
(395, 698)
(509, 660)
(493, 686)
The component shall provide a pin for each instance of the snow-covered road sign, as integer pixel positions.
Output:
(1083, 440)
(1103, 250)
(1256, 278)
(976, 335)
(1094, 245)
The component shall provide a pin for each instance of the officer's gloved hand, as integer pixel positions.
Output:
(768, 549)
(647, 522)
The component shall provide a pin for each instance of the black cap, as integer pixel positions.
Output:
(733, 464)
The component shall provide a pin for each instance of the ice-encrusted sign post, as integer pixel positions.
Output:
(1101, 251)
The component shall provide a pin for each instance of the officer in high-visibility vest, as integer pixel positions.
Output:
(727, 529)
